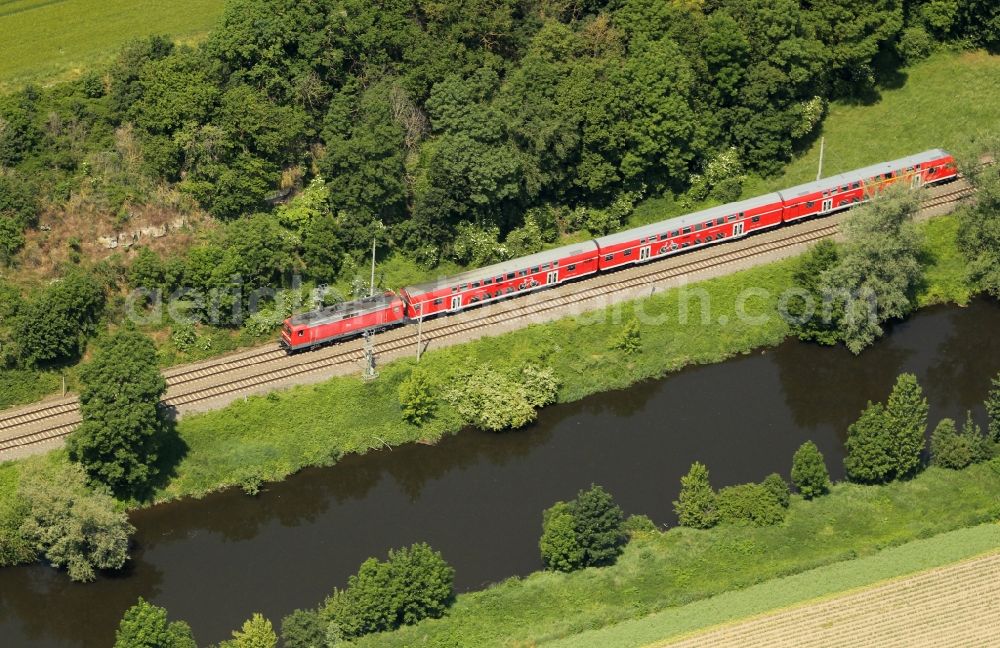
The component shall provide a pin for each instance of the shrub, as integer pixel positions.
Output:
(145, 625)
(778, 488)
(639, 525)
(696, 505)
(993, 409)
(587, 531)
(496, 400)
(71, 526)
(628, 338)
(257, 632)
(413, 584)
(56, 323)
(560, 549)
(809, 473)
(749, 503)
(303, 629)
(415, 398)
(953, 449)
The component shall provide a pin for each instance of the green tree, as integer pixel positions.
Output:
(953, 449)
(413, 584)
(145, 625)
(416, 398)
(119, 440)
(869, 441)
(495, 400)
(559, 546)
(303, 629)
(70, 525)
(598, 524)
(993, 409)
(979, 234)
(907, 412)
(809, 473)
(879, 269)
(322, 248)
(696, 506)
(815, 316)
(55, 324)
(257, 632)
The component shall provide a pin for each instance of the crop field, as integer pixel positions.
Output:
(52, 40)
(810, 589)
(953, 605)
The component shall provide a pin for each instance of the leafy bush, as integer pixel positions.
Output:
(696, 506)
(561, 551)
(753, 504)
(809, 473)
(993, 409)
(953, 449)
(56, 323)
(416, 399)
(628, 338)
(145, 625)
(585, 532)
(778, 488)
(414, 583)
(71, 526)
(496, 400)
(303, 629)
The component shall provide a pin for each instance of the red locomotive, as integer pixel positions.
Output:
(637, 245)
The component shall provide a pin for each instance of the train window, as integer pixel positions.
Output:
(686, 230)
(438, 302)
(731, 217)
(697, 241)
(609, 257)
(709, 224)
(810, 203)
(521, 273)
(487, 281)
(454, 289)
(856, 185)
(510, 275)
(301, 333)
(642, 241)
(697, 227)
(475, 284)
(571, 266)
(627, 253)
(675, 233)
(931, 171)
(664, 236)
(534, 270)
(755, 219)
(844, 188)
(463, 286)
(720, 236)
(684, 245)
(720, 221)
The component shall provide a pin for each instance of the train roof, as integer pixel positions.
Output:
(863, 173)
(344, 310)
(687, 219)
(504, 267)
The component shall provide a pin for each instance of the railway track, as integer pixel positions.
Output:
(192, 387)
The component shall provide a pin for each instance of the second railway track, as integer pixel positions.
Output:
(228, 377)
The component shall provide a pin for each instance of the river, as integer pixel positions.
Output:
(478, 497)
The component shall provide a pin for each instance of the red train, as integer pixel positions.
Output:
(637, 245)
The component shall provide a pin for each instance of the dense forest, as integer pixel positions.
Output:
(462, 130)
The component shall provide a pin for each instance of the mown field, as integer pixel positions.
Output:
(52, 40)
(813, 586)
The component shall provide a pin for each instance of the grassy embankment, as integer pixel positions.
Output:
(677, 567)
(53, 40)
(807, 587)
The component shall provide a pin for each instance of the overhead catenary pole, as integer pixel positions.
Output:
(371, 290)
(819, 172)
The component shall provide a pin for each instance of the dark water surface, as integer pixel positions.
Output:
(478, 497)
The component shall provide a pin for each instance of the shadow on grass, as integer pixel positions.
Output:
(172, 450)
